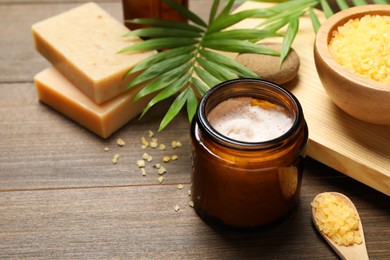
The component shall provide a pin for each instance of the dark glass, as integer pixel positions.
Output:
(150, 9)
(244, 184)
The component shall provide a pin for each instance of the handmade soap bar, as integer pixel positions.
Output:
(83, 44)
(56, 91)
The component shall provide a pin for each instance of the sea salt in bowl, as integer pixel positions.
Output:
(364, 98)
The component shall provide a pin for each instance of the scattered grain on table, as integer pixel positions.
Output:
(176, 144)
(147, 157)
(177, 208)
(141, 163)
(153, 143)
(162, 170)
(120, 142)
(144, 142)
(115, 158)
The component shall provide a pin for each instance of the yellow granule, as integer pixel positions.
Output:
(362, 45)
(337, 220)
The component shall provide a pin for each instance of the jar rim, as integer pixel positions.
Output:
(226, 141)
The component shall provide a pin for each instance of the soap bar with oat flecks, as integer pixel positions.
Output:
(83, 44)
(104, 119)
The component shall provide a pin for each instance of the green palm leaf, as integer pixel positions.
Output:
(163, 32)
(165, 23)
(234, 66)
(238, 46)
(213, 11)
(168, 92)
(207, 77)
(326, 8)
(186, 13)
(342, 4)
(159, 44)
(218, 71)
(146, 63)
(175, 108)
(199, 86)
(224, 22)
(163, 81)
(359, 2)
(314, 20)
(158, 69)
(188, 62)
(242, 34)
(289, 37)
(192, 103)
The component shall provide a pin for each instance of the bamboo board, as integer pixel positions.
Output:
(355, 148)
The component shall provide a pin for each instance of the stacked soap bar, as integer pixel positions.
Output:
(86, 81)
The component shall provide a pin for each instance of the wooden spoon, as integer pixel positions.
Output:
(355, 252)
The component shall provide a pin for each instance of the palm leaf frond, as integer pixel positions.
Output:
(188, 63)
(174, 109)
(288, 39)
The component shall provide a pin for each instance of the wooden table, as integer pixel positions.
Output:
(61, 196)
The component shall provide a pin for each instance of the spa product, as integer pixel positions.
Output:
(247, 184)
(56, 91)
(249, 120)
(83, 44)
(361, 45)
(337, 219)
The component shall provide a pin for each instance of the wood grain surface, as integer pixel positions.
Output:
(62, 198)
(358, 149)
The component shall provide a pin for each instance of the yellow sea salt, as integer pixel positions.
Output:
(120, 142)
(362, 46)
(176, 144)
(337, 220)
(161, 147)
(161, 170)
(141, 163)
(115, 159)
(144, 142)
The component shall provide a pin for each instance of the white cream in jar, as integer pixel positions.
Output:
(250, 120)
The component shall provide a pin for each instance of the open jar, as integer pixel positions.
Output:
(247, 184)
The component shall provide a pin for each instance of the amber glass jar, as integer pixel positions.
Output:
(247, 184)
(150, 9)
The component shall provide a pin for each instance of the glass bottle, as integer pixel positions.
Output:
(150, 9)
(244, 184)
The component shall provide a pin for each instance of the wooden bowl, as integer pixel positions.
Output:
(362, 98)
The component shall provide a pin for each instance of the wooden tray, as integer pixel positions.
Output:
(355, 148)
